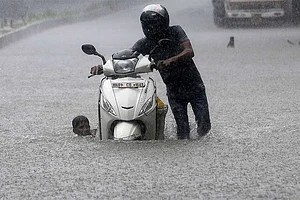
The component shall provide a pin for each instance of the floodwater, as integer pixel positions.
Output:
(252, 151)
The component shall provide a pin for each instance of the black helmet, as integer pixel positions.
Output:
(155, 21)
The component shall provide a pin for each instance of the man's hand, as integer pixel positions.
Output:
(97, 70)
(159, 65)
(163, 64)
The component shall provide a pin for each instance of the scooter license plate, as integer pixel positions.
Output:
(128, 85)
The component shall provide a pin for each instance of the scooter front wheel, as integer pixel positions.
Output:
(127, 131)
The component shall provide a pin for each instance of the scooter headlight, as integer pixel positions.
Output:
(107, 106)
(147, 106)
(125, 66)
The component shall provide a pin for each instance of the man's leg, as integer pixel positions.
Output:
(200, 107)
(179, 110)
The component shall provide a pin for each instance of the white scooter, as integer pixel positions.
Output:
(128, 107)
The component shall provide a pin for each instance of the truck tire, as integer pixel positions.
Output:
(296, 11)
(219, 15)
(289, 11)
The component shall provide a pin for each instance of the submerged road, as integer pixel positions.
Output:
(252, 151)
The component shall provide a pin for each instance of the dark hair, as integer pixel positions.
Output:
(79, 119)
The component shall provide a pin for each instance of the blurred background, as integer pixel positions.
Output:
(14, 13)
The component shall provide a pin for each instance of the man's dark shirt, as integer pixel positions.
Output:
(182, 77)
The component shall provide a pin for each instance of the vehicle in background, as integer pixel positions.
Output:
(253, 11)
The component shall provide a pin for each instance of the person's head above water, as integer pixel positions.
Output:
(81, 125)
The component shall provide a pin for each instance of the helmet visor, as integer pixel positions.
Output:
(153, 29)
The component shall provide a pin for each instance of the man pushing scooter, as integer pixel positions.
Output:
(176, 67)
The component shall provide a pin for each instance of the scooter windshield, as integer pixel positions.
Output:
(125, 66)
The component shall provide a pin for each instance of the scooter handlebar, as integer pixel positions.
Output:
(153, 66)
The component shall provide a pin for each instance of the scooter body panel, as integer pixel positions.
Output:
(127, 105)
(132, 99)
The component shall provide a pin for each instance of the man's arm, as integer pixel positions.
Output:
(139, 46)
(187, 53)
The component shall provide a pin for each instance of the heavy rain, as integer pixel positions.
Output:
(251, 72)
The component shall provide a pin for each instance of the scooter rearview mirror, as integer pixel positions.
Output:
(161, 43)
(165, 42)
(89, 49)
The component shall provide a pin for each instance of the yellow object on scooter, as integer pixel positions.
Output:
(161, 113)
(160, 104)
